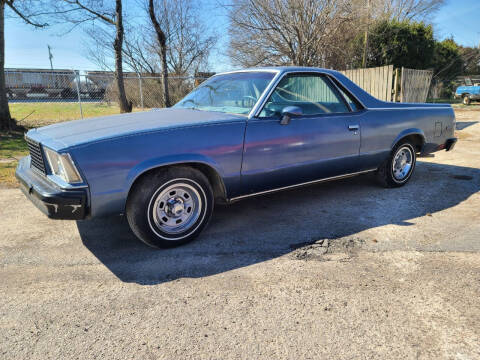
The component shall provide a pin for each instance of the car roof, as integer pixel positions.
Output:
(283, 69)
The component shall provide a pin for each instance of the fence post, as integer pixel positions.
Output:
(402, 85)
(141, 90)
(77, 76)
(395, 86)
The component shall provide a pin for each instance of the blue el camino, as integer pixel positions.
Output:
(239, 134)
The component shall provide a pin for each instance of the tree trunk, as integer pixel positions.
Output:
(166, 95)
(125, 106)
(162, 41)
(365, 44)
(6, 122)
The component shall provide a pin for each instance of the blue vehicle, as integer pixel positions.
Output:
(237, 135)
(468, 93)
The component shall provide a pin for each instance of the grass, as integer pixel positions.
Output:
(44, 113)
(12, 147)
(444, 101)
(7, 174)
(456, 103)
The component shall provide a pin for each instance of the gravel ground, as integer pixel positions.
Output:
(344, 270)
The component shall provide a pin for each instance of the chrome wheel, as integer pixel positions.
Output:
(176, 208)
(402, 163)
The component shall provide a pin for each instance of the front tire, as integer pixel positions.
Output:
(466, 100)
(397, 170)
(170, 207)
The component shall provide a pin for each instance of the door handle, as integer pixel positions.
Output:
(354, 128)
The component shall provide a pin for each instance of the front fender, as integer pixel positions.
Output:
(176, 159)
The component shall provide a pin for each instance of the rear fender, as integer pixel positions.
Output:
(408, 132)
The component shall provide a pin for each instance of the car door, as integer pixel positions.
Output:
(322, 142)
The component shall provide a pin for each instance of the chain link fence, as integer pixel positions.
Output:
(37, 97)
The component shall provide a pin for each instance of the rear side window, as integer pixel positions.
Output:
(354, 104)
(350, 101)
(313, 93)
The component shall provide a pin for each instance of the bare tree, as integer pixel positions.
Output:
(294, 32)
(162, 43)
(311, 32)
(136, 53)
(140, 53)
(179, 37)
(188, 42)
(26, 11)
(79, 12)
(188, 39)
(401, 10)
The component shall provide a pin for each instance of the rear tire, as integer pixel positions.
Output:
(170, 207)
(397, 170)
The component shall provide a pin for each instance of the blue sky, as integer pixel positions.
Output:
(26, 47)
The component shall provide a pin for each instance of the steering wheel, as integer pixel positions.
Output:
(248, 97)
(188, 100)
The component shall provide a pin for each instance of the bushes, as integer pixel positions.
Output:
(151, 90)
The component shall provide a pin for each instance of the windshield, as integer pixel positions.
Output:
(235, 93)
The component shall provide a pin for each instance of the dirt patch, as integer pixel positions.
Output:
(327, 249)
(312, 251)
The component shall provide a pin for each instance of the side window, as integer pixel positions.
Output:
(354, 104)
(313, 93)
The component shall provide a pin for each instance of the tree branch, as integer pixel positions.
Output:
(91, 11)
(22, 16)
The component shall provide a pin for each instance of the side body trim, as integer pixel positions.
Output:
(409, 108)
(301, 184)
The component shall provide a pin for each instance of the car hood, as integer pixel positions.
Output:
(67, 134)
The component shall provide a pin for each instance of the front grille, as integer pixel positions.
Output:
(36, 155)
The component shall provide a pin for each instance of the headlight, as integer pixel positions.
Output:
(62, 166)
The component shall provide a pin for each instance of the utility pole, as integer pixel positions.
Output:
(50, 56)
(365, 45)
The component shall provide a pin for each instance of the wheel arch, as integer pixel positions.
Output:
(212, 174)
(416, 136)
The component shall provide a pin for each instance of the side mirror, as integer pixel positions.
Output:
(289, 112)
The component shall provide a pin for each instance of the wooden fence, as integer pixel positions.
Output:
(415, 84)
(376, 81)
(387, 84)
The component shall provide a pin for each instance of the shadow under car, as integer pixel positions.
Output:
(265, 227)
